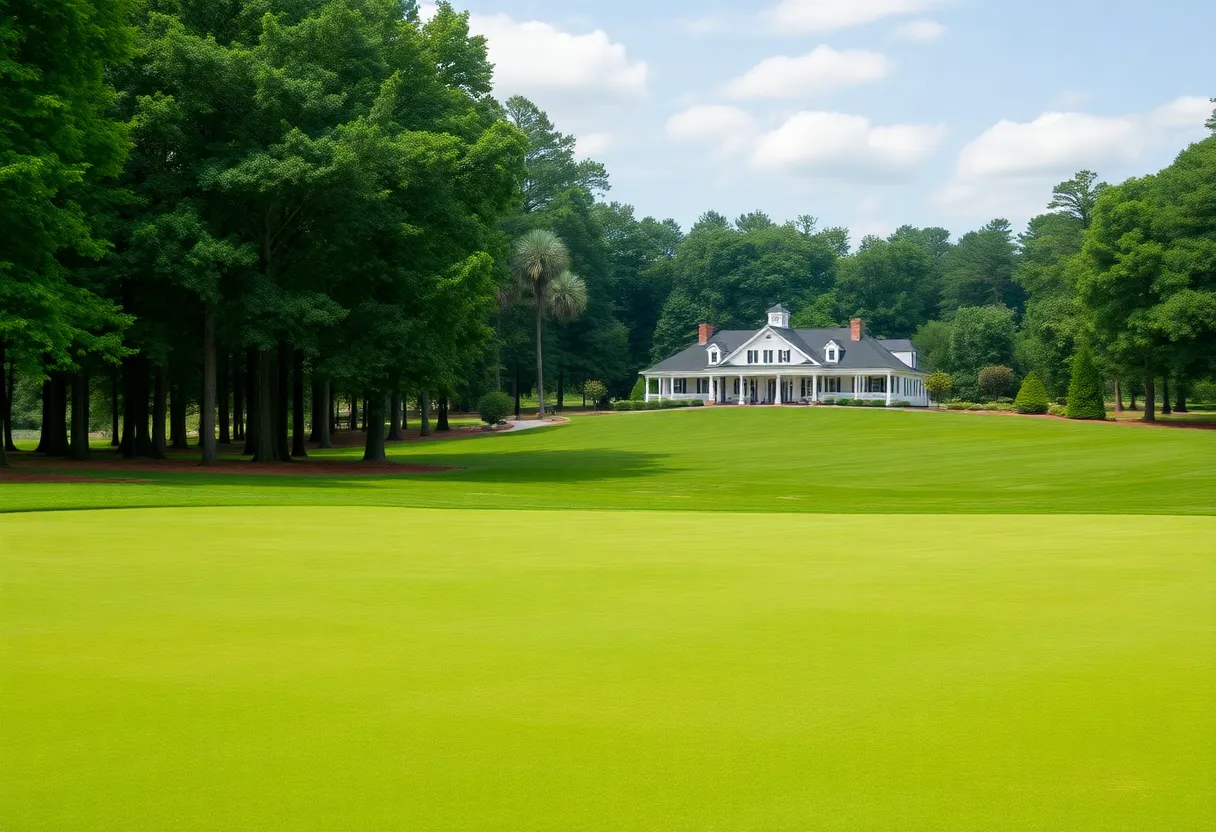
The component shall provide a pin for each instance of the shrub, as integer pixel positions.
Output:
(977, 407)
(960, 405)
(995, 382)
(1086, 398)
(1032, 398)
(873, 404)
(1057, 410)
(639, 391)
(901, 404)
(653, 404)
(623, 406)
(595, 391)
(494, 407)
(967, 387)
(696, 403)
(939, 386)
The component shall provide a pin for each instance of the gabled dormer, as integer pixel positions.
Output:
(714, 355)
(832, 352)
(779, 317)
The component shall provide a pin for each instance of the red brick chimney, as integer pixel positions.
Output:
(704, 333)
(858, 327)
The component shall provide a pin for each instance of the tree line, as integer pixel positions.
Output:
(253, 210)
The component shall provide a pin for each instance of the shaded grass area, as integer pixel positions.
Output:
(729, 459)
(335, 668)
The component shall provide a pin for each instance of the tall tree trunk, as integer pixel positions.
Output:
(79, 448)
(561, 390)
(441, 424)
(325, 440)
(223, 394)
(143, 441)
(114, 408)
(424, 407)
(206, 416)
(253, 401)
(282, 415)
(5, 408)
(1118, 396)
(126, 445)
(160, 393)
(266, 449)
(1131, 395)
(365, 407)
(320, 410)
(44, 429)
(540, 357)
(177, 416)
(354, 412)
(1166, 405)
(515, 390)
(1150, 400)
(7, 439)
(373, 413)
(394, 420)
(297, 405)
(1180, 405)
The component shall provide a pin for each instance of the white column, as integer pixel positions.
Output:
(779, 391)
(647, 397)
(742, 390)
(890, 384)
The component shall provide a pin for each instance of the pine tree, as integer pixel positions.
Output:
(1086, 399)
(1032, 398)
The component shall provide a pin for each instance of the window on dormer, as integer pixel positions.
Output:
(832, 355)
(713, 356)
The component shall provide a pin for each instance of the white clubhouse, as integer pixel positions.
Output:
(778, 365)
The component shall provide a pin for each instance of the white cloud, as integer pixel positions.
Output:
(920, 30)
(539, 60)
(805, 16)
(727, 129)
(820, 70)
(848, 147)
(707, 25)
(593, 144)
(1014, 164)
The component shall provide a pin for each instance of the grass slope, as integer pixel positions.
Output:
(730, 459)
(337, 668)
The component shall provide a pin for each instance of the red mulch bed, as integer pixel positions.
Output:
(1123, 422)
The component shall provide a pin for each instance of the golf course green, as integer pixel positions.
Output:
(715, 620)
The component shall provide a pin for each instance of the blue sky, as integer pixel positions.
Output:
(864, 113)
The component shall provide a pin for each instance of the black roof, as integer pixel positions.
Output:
(866, 354)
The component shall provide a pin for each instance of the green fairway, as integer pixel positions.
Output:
(702, 620)
(333, 668)
(729, 459)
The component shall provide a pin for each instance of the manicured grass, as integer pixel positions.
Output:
(729, 459)
(371, 669)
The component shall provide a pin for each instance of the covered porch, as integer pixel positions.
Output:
(751, 388)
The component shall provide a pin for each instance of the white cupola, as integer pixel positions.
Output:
(779, 317)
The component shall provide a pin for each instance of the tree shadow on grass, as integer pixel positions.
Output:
(553, 467)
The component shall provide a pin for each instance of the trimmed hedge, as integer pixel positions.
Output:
(639, 391)
(1057, 410)
(656, 404)
(1032, 398)
(1086, 398)
(495, 407)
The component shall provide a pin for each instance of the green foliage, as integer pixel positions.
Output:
(995, 382)
(639, 390)
(888, 284)
(939, 385)
(596, 392)
(1086, 396)
(1057, 410)
(1032, 398)
(981, 336)
(932, 342)
(979, 270)
(495, 407)
(625, 405)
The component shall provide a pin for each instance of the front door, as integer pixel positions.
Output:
(772, 390)
(753, 395)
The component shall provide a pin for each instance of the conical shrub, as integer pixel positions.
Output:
(1032, 398)
(1086, 398)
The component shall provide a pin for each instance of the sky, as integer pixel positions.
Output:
(865, 113)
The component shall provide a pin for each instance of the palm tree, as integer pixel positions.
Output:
(541, 270)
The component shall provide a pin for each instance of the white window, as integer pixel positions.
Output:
(768, 356)
(832, 359)
(753, 356)
(702, 386)
(679, 386)
(714, 356)
(783, 356)
(831, 384)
